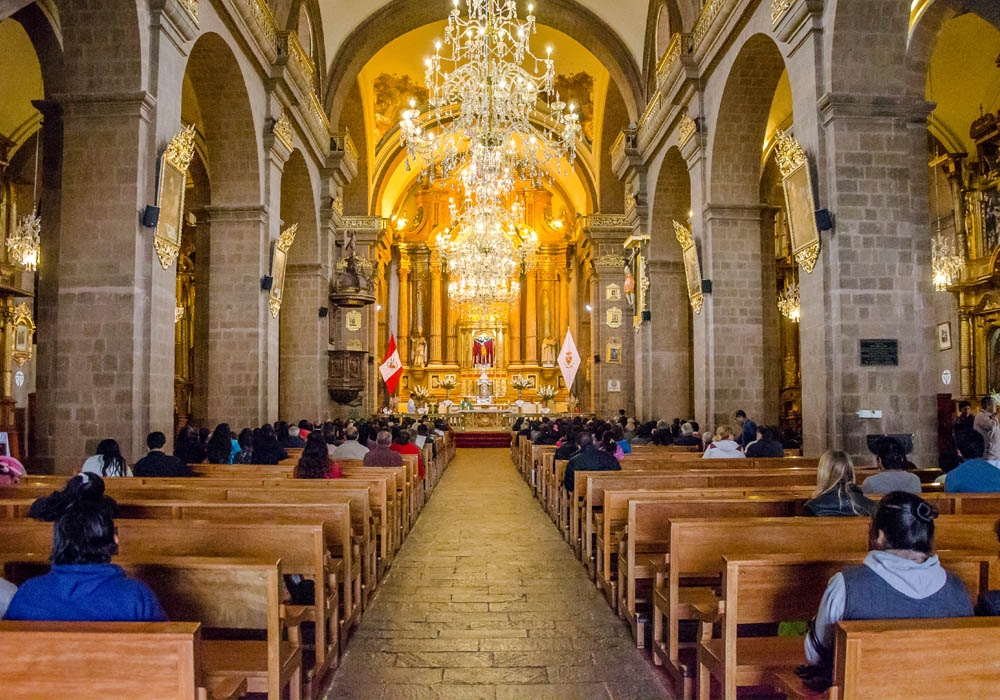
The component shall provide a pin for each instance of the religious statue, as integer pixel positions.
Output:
(548, 352)
(419, 352)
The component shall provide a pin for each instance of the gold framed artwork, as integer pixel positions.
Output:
(944, 336)
(692, 265)
(170, 195)
(613, 354)
(613, 292)
(24, 331)
(799, 200)
(614, 317)
(352, 320)
(435, 381)
(279, 260)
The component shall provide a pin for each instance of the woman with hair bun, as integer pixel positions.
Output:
(901, 578)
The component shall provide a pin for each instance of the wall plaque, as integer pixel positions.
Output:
(880, 352)
(352, 319)
(614, 319)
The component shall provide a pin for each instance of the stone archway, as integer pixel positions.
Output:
(737, 339)
(302, 365)
(664, 367)
(232, 241)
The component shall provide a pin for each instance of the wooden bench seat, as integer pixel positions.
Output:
(151, 660)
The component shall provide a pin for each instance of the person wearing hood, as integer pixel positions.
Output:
(723, 446)
(901, 577)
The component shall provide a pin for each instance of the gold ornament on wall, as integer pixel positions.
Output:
(278, 263)
(799, 199)
(283, 130)
(687, 128)
(352, 320)
(692, 265)
(24, 331)
(170, 195)
(778, 9)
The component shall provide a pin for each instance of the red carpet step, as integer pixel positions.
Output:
(473, 439)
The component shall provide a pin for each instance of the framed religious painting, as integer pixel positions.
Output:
(352, 320)
(279, 260)
(613, 292)
(692, 265)
(170, 195)
(613, 352)
(614, 317)
(944, 336)
(800, 203)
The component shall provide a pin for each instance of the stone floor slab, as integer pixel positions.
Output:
(485, 601)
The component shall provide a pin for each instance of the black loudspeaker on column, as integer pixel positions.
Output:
(150, 215)
(824, 220)
(265, 283)
(597, 359)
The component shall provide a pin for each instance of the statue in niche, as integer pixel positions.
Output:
(548, 352)
(419, 352)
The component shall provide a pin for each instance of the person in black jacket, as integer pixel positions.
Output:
(588, 459)
(157, 463)
(767, 443)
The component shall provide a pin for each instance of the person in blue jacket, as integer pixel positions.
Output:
(83, 585)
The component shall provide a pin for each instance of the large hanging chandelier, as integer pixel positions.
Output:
(946, 264)
(788, 302)
(491, 101)
(24, 245)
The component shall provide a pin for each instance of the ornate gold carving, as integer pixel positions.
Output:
(607, 221)
(610, 260)
(692, 266)
(24, 328)
(363, 223)
(788, 153)
(808, 256)
(274, 303)
(192, 8)
(338, 204)
(283, 130)
(180, 150)
(166, 251)
(686, 129)
(670, 57)
(709, 12)
(684, 236)
(318, 118)
(287, 237)
(778, 9)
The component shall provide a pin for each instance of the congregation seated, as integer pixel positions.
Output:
(722, 445)
(266, 449)
(568, 447)
(974, 474)
(404, 446)
(188, 447)
(891, 458)
(107, 462)
(157, 463)
(644, 433)
(588, 459)
(382, 455)
(83, 584)
(766, 444)
(901, 578)
(687, 438)
(618, 434)
(663, 435)
(245, 441)
(350, 448)
(836, 493)
(220, 449)
(315, 461)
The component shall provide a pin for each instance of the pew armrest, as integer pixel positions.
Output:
(294, 615)
(228, 689)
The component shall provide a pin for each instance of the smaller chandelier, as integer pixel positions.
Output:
(25, 244)
(947, 266)
(788, 303)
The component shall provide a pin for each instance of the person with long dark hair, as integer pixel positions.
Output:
(107, 462)
(315, 461)
(220, 445)
(83, 584)
(188, 447)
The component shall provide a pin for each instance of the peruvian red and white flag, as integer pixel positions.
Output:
(391, 367)
(569, 360)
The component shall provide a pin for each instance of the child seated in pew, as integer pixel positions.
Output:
(901, 578)
(836, 493)
(315, 461)
(83, 585)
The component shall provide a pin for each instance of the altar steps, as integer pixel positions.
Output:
(483, 439)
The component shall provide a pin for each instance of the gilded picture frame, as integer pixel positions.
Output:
(170, 188)
(944, 336)
(614, 317)
(800, 201)
(24, 331)
(279, 261)
(692, 266)
(613, 351)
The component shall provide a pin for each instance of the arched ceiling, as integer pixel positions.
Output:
(21, 84)
(396, 74)
(626, 17)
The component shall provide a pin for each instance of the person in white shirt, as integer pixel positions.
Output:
(107, 462)
(723, 446)
(350, 448)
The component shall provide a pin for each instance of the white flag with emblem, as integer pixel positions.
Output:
(569, 360)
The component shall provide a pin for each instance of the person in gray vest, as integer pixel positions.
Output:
(901, 578)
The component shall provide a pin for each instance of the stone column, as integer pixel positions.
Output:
(240, 326)
(530, 321)
(669, 392)
(451, 323)
(515, 330)
(436, 311)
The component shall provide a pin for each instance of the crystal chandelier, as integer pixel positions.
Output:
(946, 264)
(25, 244)
(788, 302)
(491, 101)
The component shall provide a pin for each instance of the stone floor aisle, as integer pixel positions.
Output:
(485, 600)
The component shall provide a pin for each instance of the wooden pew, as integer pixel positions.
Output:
(781, 588)
(301, 547)
(889, 658)
(696, 547)
(70, 660)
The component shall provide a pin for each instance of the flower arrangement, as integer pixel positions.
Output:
(520, 382)
(419, 393)
(546, 392)
(448, 384)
